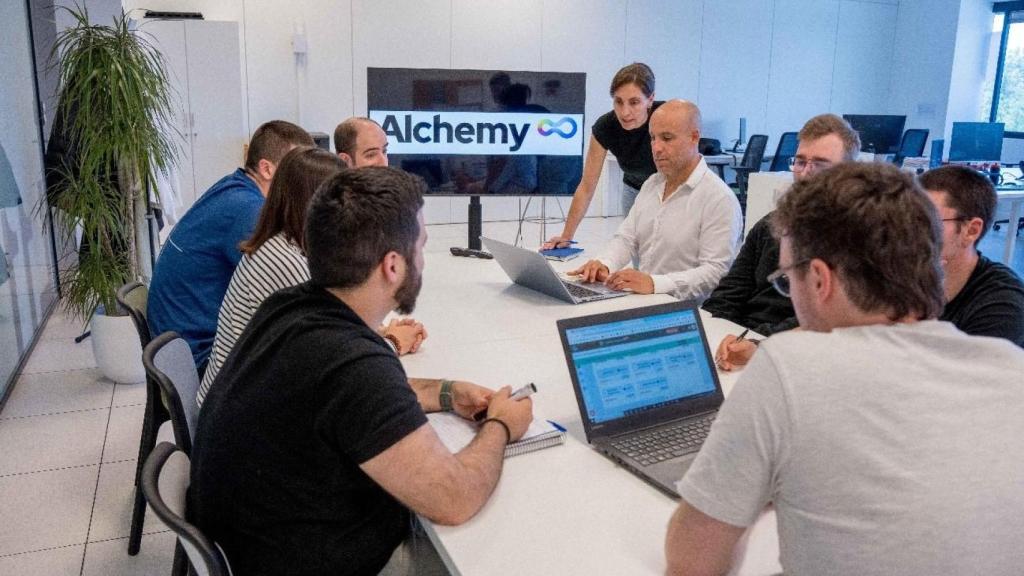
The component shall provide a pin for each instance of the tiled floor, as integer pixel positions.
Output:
(69, 440)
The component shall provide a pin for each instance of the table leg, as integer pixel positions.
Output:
(1011, 231)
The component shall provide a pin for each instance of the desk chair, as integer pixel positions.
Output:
(165, 481)
(752, 159)
(788, 143)
(709, 146)
(168, 361)
(131, 299)
(912, 145)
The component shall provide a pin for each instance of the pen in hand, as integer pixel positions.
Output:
(742, 334)
(519, 394)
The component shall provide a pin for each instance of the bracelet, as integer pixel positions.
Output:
(445, 397)
(508, 431)
(394, 342)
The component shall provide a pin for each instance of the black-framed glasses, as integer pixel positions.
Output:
(801, 164)
(780, 279)
(957, 219)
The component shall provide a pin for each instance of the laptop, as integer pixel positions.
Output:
(646, 387)
(531, 269)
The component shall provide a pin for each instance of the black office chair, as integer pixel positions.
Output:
(709, 146)
(132, 298)
(165, 482)
(912, 145)
(168, 362)
(788, 143)
(753, 156)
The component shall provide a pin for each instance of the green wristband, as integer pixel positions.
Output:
(445, 397)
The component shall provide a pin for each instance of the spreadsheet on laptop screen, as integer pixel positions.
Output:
(630, 366)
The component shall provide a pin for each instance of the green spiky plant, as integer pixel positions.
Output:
(115, 107)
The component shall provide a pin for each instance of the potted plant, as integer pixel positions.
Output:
(109, 139)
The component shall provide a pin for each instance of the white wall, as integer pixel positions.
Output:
(973, 38)
(923, 54)
(774, 62)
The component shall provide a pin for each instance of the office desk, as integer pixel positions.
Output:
(1015, 197)
(563, 510)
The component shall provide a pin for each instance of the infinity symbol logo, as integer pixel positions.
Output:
(547, 127)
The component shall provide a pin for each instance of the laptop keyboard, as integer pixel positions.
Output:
(579, 291)
(661, 444)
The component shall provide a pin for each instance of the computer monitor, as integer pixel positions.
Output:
(879, 133)
(483, 132)
(976, 141)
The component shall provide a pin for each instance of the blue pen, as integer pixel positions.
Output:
(557, 426)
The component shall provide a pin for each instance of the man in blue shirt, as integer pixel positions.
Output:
(195, 265)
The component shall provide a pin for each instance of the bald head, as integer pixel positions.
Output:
(682, 112)
(675, 133)
(360, 142)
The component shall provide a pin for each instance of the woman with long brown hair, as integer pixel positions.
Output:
(274, 257)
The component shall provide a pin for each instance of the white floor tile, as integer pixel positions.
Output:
(124, 433)
(129, 394)
(112, 513)
(51, 392)
(66, 561)
(45, 509)
(36, 443)
(62, 326)
(57, 355)
(111, 558)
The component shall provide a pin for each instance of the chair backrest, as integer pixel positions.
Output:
(165, 481)
(911, 145)
(132, 298)
(754, 154)
(709, 146)
(168, 361)
(786, 149)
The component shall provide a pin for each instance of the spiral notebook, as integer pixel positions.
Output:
(456, 433)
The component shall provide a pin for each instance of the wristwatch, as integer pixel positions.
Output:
(445, 397)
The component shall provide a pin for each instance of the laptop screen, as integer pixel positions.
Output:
(630, 366)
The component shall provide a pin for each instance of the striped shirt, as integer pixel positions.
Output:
(275, 265)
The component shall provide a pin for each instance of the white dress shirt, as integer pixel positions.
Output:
(687, 242)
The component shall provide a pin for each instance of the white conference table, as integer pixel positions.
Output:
(563, 510)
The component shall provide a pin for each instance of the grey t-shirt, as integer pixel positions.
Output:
(885, 450)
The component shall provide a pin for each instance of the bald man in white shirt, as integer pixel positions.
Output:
(685, 226)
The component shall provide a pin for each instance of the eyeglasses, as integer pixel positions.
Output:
(800, 164)
(957, 219)
(780, 280)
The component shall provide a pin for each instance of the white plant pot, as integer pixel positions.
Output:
(116, 346)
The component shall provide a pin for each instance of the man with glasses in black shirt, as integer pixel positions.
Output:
(745, 295)
(983, 298)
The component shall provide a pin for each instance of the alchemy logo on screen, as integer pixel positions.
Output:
(564, 127)
(483, 133)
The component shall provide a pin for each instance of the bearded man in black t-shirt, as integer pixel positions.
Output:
(983, 298)
(312, 448)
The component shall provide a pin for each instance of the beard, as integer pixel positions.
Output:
(408, 291)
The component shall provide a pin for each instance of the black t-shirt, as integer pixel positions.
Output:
(307, 394)
(632, 148)
(990, 304)
(744, 295)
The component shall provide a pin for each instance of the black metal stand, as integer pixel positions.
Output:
(476, 228)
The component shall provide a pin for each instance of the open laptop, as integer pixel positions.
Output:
(531, 269)
(646, 387)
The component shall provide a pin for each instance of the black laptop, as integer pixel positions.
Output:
(646, 386)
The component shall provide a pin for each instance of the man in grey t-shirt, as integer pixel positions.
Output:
(888, 442)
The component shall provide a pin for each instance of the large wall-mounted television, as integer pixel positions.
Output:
(879, 133)
(976, 141)
(483, 132)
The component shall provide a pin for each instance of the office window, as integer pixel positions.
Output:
(1005, 101)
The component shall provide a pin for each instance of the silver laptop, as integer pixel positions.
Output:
(531, 269)
(646, 387)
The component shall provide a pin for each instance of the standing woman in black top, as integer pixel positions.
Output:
(624, 133)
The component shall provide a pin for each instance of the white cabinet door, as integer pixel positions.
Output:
(215, 100)
(176, 189)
